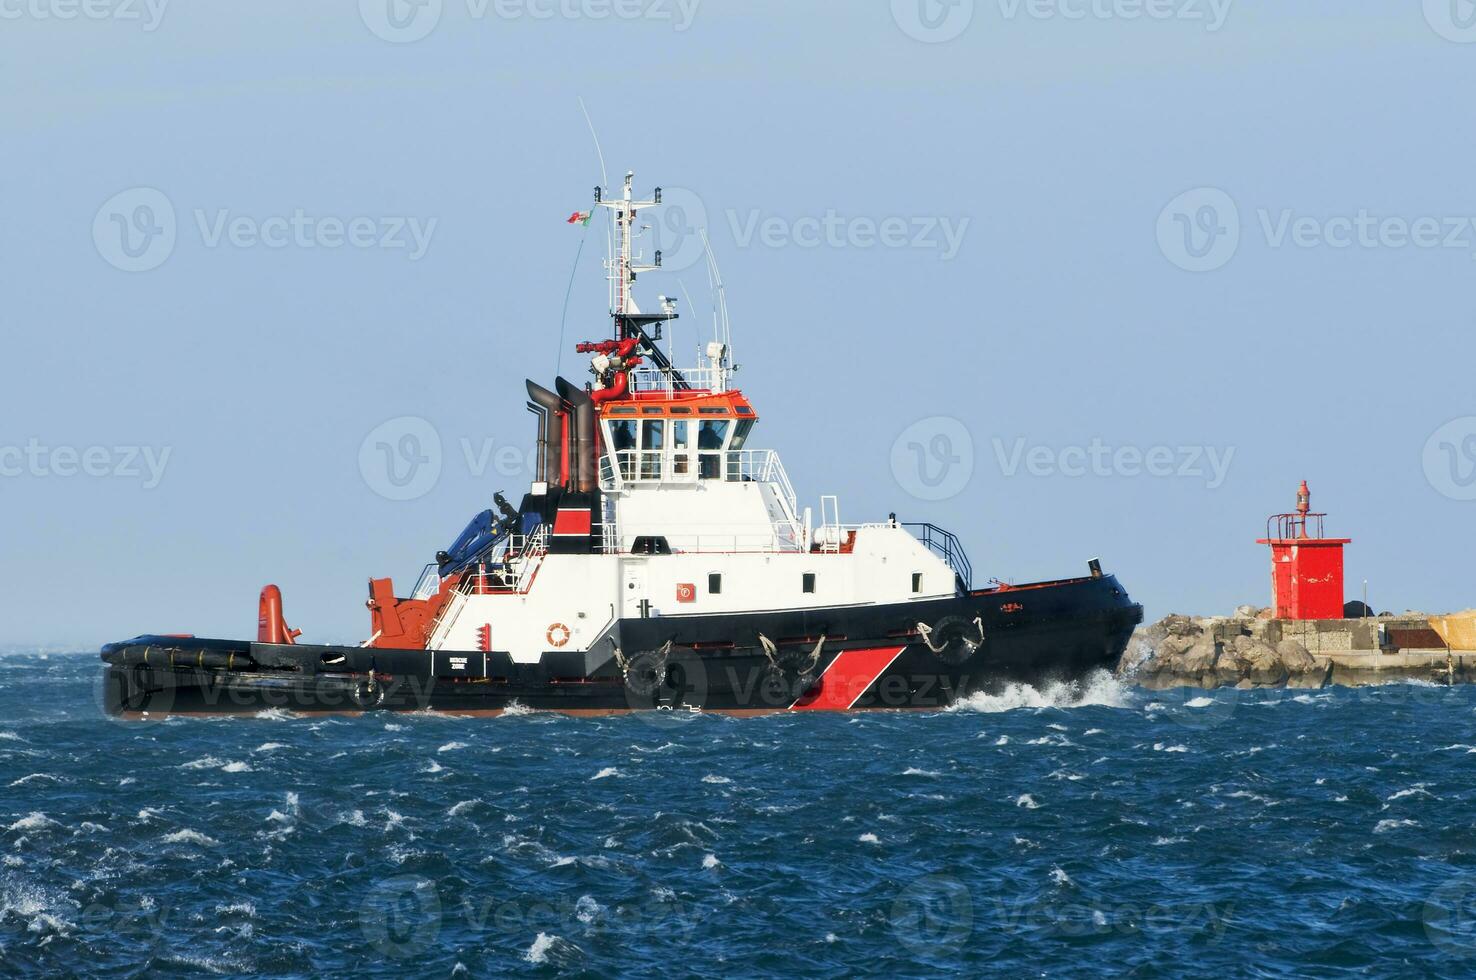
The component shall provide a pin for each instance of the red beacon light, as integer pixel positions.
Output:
(1306, 566)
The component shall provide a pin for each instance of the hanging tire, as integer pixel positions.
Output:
(954, 640)
(367, 694)
(788, 686)
(645, 673)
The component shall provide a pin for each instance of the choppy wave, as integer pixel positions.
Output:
(1099, 690)
(1023, 832)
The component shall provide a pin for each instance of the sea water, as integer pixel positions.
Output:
(1075, 831)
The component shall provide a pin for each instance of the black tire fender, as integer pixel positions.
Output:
(954, 639)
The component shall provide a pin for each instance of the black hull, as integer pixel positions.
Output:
(871, 658)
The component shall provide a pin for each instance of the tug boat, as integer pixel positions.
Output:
(659, 560)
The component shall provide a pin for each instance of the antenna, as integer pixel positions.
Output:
(604, 178)
(721, 326)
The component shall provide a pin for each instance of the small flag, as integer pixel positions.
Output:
(580, 217)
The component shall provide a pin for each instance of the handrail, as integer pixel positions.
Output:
(776, 538)
(659, 466)
(946, 545)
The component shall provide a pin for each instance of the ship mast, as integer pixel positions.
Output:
(624, 264)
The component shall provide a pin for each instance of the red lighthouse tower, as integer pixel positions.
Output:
(1306, 568)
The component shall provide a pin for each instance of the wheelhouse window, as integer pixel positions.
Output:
(622, 446)
(653, 440)
(740, 434)
(681, 446)
(712, 436)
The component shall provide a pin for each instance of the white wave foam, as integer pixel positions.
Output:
(1199, 702)
(538, 952)
(1160, 747)
(452, 747)
(10, 737)
(605, 773)
(235, 767)
(517, 709)
(716, 780)
(269, 746)
(1384, 826)
(276, 714)
(710, 861)
(869, 839)
(914, 771)
(35, 820)
(1027, 801)
(35, 776)
(1418, 789)
(460, 808)
(204, 762)
(433, 768)
(188, 836)
(1101, 689)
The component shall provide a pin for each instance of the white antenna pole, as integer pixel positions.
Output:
(722, 296)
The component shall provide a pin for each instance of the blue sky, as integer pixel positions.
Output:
(1068, 237)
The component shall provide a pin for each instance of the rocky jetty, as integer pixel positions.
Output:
(1250, 649)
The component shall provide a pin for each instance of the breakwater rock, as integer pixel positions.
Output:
(1251, 649)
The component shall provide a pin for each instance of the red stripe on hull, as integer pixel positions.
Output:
(848, 677)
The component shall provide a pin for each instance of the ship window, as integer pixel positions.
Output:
(681, 458)
(713, 411)
(651, 411)
(681, 411)
(620, 411)
(652, 439)
(807, 582)
(715, 584)
(917, 582)
(623, 435)
(744, 410)
(740, 435)
(711, 436)
(622, 446)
